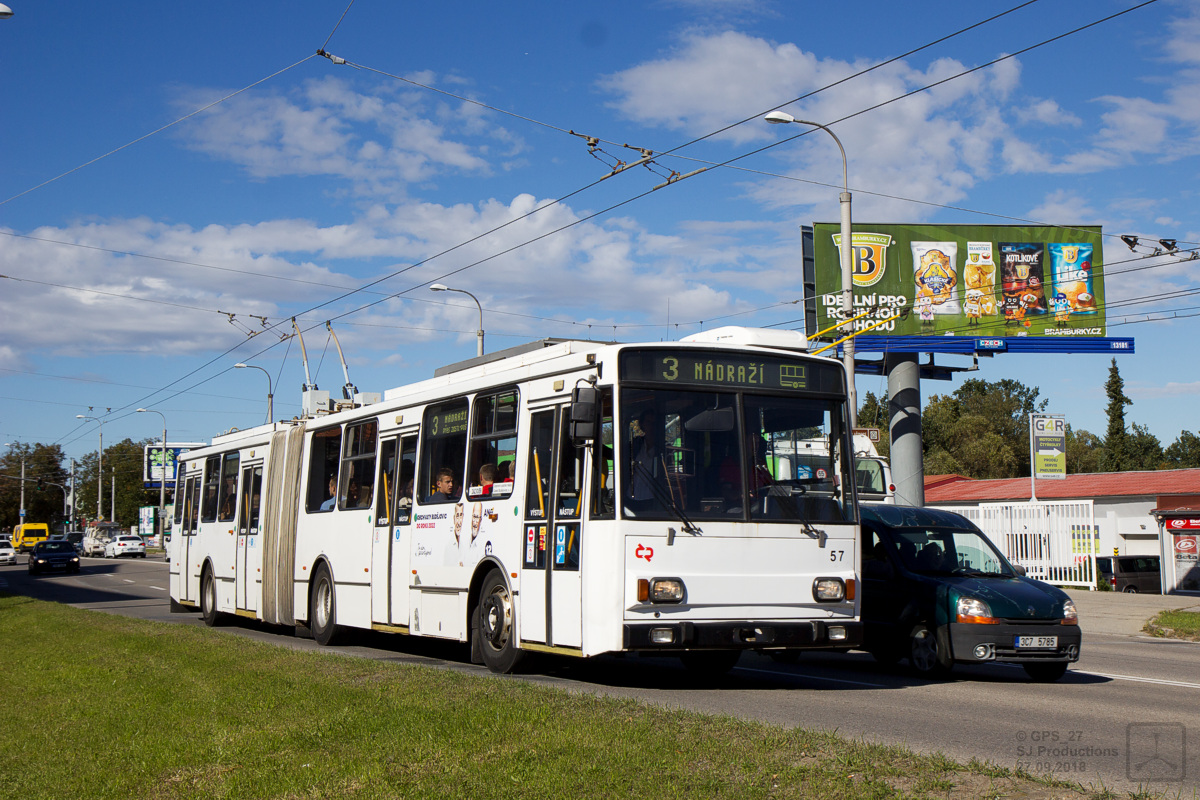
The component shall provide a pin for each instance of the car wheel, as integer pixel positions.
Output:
(1130, 590)
(924, 653)
(208, 599)
(494, 623)
(322, 612)
(710, 662)
(1046, 672)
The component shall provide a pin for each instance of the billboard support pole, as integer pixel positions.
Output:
(904, 426)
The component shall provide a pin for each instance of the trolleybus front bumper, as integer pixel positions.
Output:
(817, 634)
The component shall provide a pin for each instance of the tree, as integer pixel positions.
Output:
(1183, 452)
(1085, 451)
(1116, 439)
(1143, 450)
(981, 431)
(43, 463)
(874, 414)
(122, 469)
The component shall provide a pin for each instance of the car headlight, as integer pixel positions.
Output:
(974, 610)
(1070, 615)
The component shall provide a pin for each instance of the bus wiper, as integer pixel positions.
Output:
(667, 498)
(787, 502)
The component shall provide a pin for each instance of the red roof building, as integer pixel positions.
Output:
(1122, 502)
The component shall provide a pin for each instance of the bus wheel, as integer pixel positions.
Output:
(322, 611)
(710, 662)
(208, 599)
(494, 625)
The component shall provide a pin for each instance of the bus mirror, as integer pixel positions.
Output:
(585, 409)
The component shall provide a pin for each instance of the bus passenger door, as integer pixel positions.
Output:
(389, 545)
(191, 511)
(550, 607)
(248, 564)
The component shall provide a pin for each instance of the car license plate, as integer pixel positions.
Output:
(1035, 642)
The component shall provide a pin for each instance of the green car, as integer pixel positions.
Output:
(937, 592)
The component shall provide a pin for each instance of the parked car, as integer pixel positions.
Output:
(937, 592)
(8, 553)
(125, 546)
(1130, 573)
(57, 555)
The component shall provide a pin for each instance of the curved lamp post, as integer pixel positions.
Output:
(441, 287)
(270, 390)
(99, 467)
(779, 117)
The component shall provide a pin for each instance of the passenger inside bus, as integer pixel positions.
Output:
(328, 504)
(444, 487)
(646, 472)
(487, 477)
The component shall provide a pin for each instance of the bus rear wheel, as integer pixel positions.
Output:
(208, 599)
(495, 625)
(322, 608)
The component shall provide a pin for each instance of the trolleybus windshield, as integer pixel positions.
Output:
(709, 436)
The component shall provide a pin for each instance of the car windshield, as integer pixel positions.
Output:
(56, 547)
(948, 551)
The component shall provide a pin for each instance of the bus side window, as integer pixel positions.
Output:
(251, 497)
(212, 481)
(228, 489)
(358, 465)
(323, 469)
(603, 468)
(493, 446)
(407, 480)
(444, 451)
(387, 482)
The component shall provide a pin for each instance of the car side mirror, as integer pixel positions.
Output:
(585, 411)
(1019, 569)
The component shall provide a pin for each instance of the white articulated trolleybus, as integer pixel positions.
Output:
(567, 497)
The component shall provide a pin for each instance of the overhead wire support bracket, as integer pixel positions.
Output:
(331, 56)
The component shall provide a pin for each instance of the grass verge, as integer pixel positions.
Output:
(1175, 625)
(106, 706)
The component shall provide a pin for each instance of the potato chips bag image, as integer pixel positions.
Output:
(936, 275)
(1071, 266)
(980, 273)
(1022, 274)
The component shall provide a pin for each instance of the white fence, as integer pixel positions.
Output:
(1055, 541)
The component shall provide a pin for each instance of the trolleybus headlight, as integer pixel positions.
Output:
(665, 590)
(1070, 615)
(662, 635)
(829, 590)
(972, 609)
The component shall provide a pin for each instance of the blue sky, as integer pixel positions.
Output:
(168, 165)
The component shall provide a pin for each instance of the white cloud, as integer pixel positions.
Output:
(378, 142)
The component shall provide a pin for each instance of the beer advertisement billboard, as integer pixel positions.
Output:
(965, 280)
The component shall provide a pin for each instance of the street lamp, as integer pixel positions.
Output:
(779, 117)
(162, 478)
(99, 467)
(441, 287)
(270, 389)
(21, 513)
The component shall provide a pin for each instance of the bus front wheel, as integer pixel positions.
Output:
(322, 611)
(494, 625)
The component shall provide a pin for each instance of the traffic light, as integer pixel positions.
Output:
(41, 484)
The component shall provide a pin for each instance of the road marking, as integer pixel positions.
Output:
(161, 589)
(808, 677)
(128, 581)
(1137, 679)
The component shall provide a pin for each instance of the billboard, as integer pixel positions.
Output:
(965, 280)
(152, 462)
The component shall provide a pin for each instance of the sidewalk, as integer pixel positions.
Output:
(1124, 614)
